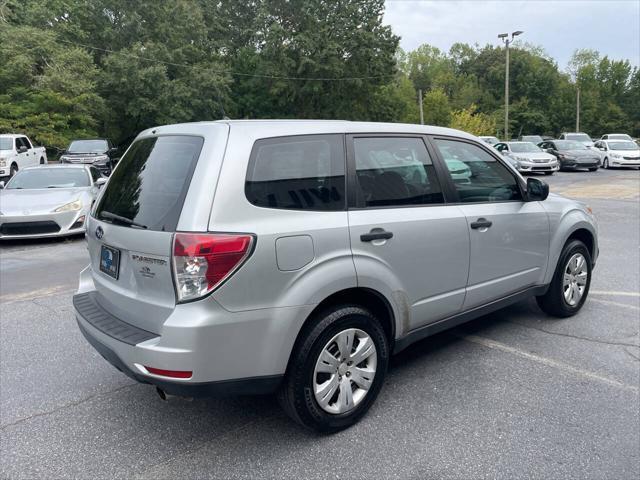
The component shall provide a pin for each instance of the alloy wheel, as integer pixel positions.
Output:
(575, 279)
(344, 371)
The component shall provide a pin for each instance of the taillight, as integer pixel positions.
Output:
(202, 261)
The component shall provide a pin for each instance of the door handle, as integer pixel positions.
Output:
(376, 234)
(481, 223)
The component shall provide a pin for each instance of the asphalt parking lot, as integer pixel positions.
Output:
(515, 394)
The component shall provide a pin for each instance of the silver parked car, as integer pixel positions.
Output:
(527, 157)
(245, 257)
(51, 201)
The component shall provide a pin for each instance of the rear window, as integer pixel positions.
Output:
(299, 173)
(150, 183)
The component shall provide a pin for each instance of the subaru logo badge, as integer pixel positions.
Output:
(99, 233)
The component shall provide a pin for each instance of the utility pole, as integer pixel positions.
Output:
(421, 111)
(578, 109)
(505, 38)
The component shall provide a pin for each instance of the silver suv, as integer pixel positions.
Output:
(250, 257)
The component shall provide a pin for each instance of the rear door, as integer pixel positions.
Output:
(404, 238)
(130, 233)
(509, 237)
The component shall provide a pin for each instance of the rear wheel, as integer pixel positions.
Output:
(570, 284)
(336, 370)
(41, 161)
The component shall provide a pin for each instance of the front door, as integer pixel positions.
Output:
(509, 238)
(406, 241)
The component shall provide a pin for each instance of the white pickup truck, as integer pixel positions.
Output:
(17, 152)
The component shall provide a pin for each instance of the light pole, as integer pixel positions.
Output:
(505, 38)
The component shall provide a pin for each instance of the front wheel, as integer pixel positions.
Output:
(570, 284)
(593, 169)
(13, 170)
(605, 164)
(336, 370)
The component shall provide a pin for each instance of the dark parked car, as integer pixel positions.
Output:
(98, 152)
(572, 154)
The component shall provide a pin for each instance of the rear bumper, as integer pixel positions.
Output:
(245, 386)
(228, 352)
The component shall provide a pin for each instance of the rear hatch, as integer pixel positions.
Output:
(130, 233)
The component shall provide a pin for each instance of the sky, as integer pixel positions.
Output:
(559, 26)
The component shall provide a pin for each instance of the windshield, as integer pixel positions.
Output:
(532, 138)
(569, 145)
(149, 185)
(6, 143)
(523, 147)
(88, 146)
(49, 178)
(578, 137)
(623, 146)
(614, 136)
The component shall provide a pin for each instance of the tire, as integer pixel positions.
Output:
(13, 170)
(297, 395)
(41, 161)
(605, 164)
(554, 302)
(593, 169)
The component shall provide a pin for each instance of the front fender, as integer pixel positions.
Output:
(563, 225)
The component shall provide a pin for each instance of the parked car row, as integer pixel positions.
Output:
(572, 151)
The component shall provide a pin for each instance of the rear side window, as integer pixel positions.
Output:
(395, 171)
(150, 183)
(297, 173)
(478, 176)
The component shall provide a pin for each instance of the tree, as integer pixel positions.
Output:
(437, 110)
(469, 120)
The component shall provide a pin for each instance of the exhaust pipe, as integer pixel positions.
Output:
(165, 397)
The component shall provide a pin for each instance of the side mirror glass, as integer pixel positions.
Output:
(537, 190)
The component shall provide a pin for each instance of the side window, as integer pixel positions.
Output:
(478, 176)
(395, 171)
(95, 173)
(19, 143)
(501, 147)
(304, 172)
(26, 143)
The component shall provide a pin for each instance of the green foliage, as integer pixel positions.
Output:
(469, 120)
(437, 110)
(114, 67)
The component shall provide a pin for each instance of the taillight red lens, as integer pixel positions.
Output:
(202, 261)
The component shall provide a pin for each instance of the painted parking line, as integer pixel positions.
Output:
(614, 304)
(35, 294)
(578, 372)
(614, 293)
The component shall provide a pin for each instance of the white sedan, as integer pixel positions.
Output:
(618, 153)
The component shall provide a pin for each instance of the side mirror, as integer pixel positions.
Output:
(1, 184)
(100, 182)
(537, 190)
(112, 150)
(22, 149)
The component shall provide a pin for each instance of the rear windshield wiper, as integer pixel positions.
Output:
(119, 218)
